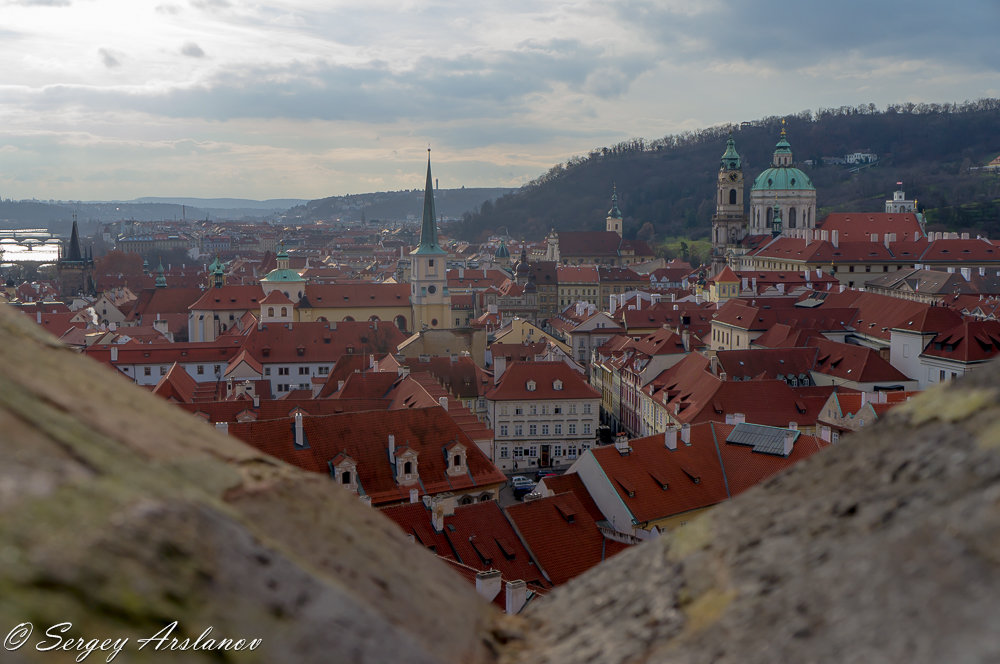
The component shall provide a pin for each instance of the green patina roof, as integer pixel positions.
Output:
(282, 275)
(428, 226)
(502, 251)
(782, 178)
(731, 158)
(614, 212)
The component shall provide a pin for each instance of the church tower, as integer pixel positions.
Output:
(76, 268)
(729, 224)
(614, 220)
(428, 265)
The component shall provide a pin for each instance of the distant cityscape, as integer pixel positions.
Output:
(525, 408)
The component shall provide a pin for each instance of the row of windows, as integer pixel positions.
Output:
(285, 387)
(534, 429)
(545, 409)
(570, 451)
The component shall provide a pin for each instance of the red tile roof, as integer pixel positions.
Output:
(513, 384)
(969, 341)
(561, 536)
(230, 298)
(363, 436)
(355, 295)
(855, 363)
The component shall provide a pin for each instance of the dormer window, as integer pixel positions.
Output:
(557, 384)
(531, 385)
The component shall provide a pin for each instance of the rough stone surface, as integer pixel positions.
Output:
(120, 514)
(883, 549)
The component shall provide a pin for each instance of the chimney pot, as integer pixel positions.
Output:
(686, 433)
(488, 584)
(517, 596)
(670, 438)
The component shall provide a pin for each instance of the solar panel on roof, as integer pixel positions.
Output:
(763, 439)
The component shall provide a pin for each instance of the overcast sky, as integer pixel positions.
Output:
(115, 99)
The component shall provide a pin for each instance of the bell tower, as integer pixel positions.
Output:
(429, 295)
(614, 218)
(729, 224)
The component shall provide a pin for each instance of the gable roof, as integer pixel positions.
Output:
(514, 384)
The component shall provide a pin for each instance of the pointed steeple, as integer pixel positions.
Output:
(614, 212)
(428, 227)
(73, 252)
(161, 278)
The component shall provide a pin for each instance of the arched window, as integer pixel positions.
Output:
(374, 319)
(348, 319)
(791, 217)
(284, 311)
(408, 468)
(770, 215)
(401, 323)
(457, 460)
(345, 477)
(270, 311)
(732, 197)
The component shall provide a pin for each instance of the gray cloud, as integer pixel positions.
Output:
(43, 3)
(169, 9)
(211, 4)
(492, 86)
(790, 36)
(192, 50)
(109, 58)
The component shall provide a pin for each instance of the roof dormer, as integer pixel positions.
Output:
(406, 466)
(557, 384)
(531, 385)
(455, 460)
(344, 471)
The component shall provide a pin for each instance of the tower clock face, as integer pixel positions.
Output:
(734, 176)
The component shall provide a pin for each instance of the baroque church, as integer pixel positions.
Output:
(782, 197)
(606, 247)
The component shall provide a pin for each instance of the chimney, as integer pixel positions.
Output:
(443, 402)
(745, 283)
(488, 584)
(256, 401)
(888, 239)
(723, 376)
(713, 364)
(340, 385)
(686, 433)
(730, 419)
(686, 339)
(114, 351)
(794, 426)
(414, 496)
(789, 442)
(299, 434)
(874, 237)
(739, 418)
(753, 284)
(966, 273)
(371, 361)
(517, 596)
(824, 236)
(835, 238)
(621, 444)
(670, 438)
(392, 448)
(222, 427)
(965, 236)
(38, 316)
(982, 271)
(437, 517)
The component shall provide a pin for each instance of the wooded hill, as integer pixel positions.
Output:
(666, 186)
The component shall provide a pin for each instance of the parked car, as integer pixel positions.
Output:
(521, 485)
(542, 474)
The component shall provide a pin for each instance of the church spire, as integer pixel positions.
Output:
(73, 252)
(428, 227)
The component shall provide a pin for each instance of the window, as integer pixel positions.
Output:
(270, 312)
(586, 409)
(532, 430)
(303, 371)
(533, 409)
(408, 468)
(558, 429)
(545, 429)
(586, 428)
(282, 387)
(282, 371)
(571, 451)
(201, 369)
(518, 411)
(557, 409)
(146, 371)
(323, 371)
(430, 263)
(503, 410)
(504, 453)
(518, 452)
(572, 409)
(532, 451)
(518, 430)
(572, 429)
(163, 371)
(267, 371)
(503, 430)
(345, 477)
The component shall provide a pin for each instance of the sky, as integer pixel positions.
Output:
(118, 99)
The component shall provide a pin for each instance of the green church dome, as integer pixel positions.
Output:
(780, 178)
